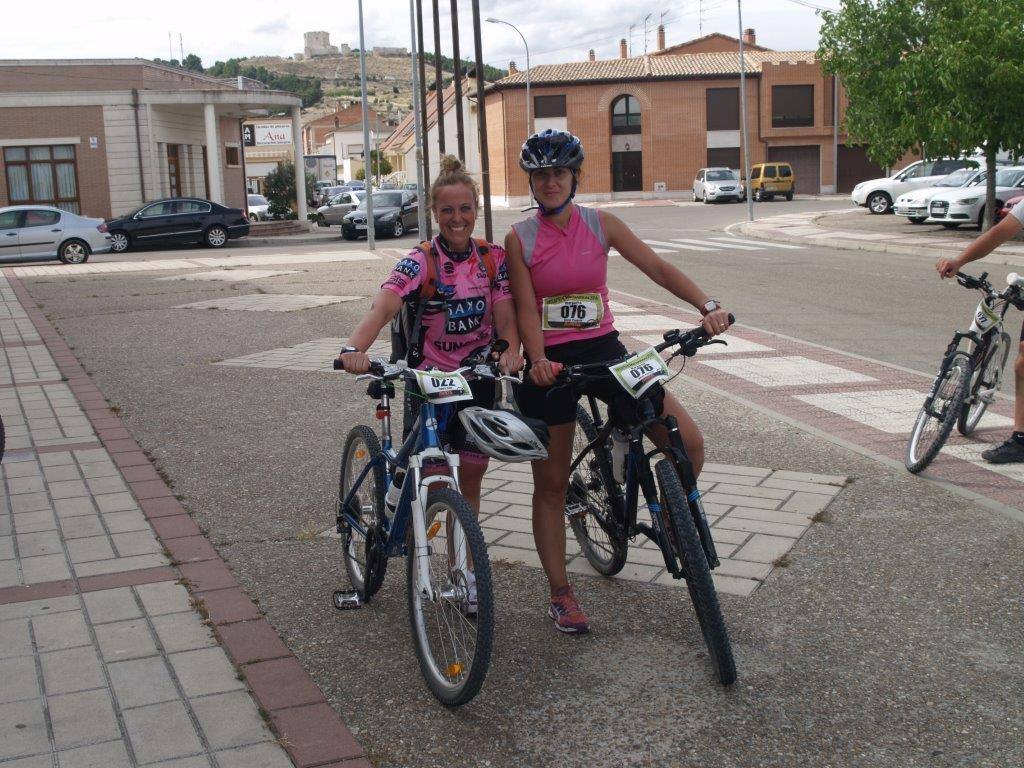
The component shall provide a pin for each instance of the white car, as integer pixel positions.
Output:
(258, 207)
(914, 205)
(717, 184)
(967, 204)
(32, 232)
(878, 194)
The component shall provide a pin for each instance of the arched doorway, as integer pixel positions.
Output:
(627, 157)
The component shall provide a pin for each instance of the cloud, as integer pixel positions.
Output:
(272, 27)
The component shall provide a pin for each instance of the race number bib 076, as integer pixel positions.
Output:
(640, 372)
(577, 310)
(440, 387)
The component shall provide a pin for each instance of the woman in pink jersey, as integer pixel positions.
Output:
(560, 256)
(469, 304)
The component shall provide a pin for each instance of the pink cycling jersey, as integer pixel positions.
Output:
(462, 319)
(565, 262)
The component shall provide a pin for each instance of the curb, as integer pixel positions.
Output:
(306, 725)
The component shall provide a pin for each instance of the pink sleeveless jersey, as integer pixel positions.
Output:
(572, 263)
(461, 318)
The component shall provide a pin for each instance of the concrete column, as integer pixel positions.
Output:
(154, 177)
(213, 156)
(300, 165)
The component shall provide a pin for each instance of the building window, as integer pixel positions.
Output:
(724, 157)
(232, 157)
(792, 106)
(625, 115)
(549, 106)
(723, 109)
(42, 175)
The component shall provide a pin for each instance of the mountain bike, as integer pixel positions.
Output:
(969, 375)
(406, 503)
(611, 468)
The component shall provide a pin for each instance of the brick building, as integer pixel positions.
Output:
(648, 123)
(102, 136)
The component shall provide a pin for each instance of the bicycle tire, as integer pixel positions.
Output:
(998, 352)
(952, 390)
(601, 538)
(457, 677)
(3, 439)
(366, 574)
(686, 544)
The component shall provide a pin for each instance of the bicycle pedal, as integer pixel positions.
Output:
(347, 600)
(987, 395)
(576, 510)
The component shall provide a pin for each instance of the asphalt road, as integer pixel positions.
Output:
(892, 639)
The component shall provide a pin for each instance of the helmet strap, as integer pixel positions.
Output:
(544, 210)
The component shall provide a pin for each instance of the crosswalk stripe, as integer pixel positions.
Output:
(762, 243)
(651, 243)
(674, 246)
(716, 246)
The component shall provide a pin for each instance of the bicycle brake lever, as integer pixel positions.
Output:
(717, 341)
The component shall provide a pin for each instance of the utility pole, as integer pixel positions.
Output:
(481, 118)
(438, 80)
(743, 116)
(457, 57)
(300, 173)
(421, 219)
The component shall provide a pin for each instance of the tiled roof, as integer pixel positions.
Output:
(662, 66)
(716, 36)
(404, 130)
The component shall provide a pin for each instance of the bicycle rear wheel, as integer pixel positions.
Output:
(453, 628)
(930, 431)
(686, 544)
(984, 384)
(591, 494)
(363, 556)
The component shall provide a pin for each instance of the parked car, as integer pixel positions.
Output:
(177, 220)
(967, 204)
(411, 186)
(339, 205)
(914, 205)
(258, 208)
(333, 191)
(770, 179)
(393, 214)
(877, 195)
(356, 184)
(713, 184)
(33, 232)
(1003, 212)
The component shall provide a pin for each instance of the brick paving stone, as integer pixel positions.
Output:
(67, 489)
(161, 732)
(743, 569)
(120, 564)
(761, 491)
(111, 605)
(763, 548)
(176, 526)
(226, 606)
(35, 570)
(82, 718)
(770, 516)
(121, 640)
(102, 485)
(126, 578)
(208, 575)
(111, 754)
(36, 761)
(230, 720)
(809, 477)
(87, 550)
(759, 526)
(75, 669)
(281, 683)
(190, 549)
(58, 631)
(204, 671)
(140, 682)
(122, 522)
(730, 585)
(39, 543)
(23, 727)
(30, 522)
(81, 527)
(747, 501)
(513, 555)
(133, 543)
(796, 485)
(265, 755)
(15, 639)
(507, 523)
(252, 641)
(115, 502)
(806, 503)
(43, 607)
(19, 679)
(182, 632)
(159, 599)
(73, 507)
(316, 735)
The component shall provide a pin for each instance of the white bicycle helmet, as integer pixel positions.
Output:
(506, 435)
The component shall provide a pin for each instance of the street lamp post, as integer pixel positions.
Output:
(529, 104)
(743, 115)
(370, 238)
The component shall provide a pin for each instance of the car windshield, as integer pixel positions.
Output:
(1009, 178)
(956, 178)
(722, 175)
(383, 200)
(258, 200)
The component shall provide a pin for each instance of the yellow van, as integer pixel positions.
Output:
(770, 179)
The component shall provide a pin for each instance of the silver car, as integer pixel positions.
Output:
(339, 205)
(717, 184)
(31, 232)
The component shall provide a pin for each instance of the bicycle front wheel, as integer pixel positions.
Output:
(984, 384)
(685, 542)
(452, 616)
(932, 428)
(592, 503)
(363, 555)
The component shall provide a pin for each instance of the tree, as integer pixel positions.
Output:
(379, 166)
(940, 75)
(279, 189)
(193, 63)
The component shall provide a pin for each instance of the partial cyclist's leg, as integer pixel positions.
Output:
(1012, 451)
(550, 481)
(1018, 375)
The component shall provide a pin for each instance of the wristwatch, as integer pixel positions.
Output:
(710, 306)
(347, 349)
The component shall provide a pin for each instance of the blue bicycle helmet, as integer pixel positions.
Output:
(551, 149)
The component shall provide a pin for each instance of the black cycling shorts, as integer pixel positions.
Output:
(450, 430)
(557, 405)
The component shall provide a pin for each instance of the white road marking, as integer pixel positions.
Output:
(715, 246)
(786, 371)
(762, 243)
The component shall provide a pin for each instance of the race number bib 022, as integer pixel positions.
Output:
(576, 310)
(440, 387)
(640, 372)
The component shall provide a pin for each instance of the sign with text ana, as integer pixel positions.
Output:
(266, 134)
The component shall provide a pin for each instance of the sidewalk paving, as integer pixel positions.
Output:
(805, 228)
(124, 638)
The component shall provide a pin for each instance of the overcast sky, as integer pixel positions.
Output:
(556, 31)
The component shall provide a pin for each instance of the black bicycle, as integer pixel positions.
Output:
(612, 467)
(968, 378)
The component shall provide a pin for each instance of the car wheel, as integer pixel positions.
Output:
(789, 196)
(348, 235)
(879, 203)
(951, 224)
(73, 252)
(398, 229)
(119, 241)
(758, 195)
(253, 218)
(695, 198)
(215, 237)
(917, 219)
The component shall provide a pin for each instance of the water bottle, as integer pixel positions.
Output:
(394, 490)
(620, 445)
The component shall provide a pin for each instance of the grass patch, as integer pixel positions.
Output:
(308, 531)
(783, 561)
